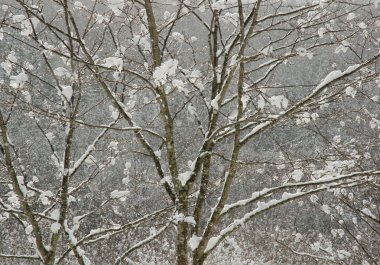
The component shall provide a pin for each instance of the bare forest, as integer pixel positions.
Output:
(189, 132)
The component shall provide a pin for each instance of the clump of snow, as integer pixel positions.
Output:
(368, 212)
(350, 91)
(190, 220)
(306, 117)
(267, 50)
(298, 237)
(337, 232)
(55, 227)
(113, 62)
(166, 69)
(194, 75)
(27, 96)
(178, 36)
(157, 153)
(21, 184)
(119, 194)
(50, 136)
(215, 102)
(67, 92)
(18, 81)
(337, 139)
(44, 197)
(70, 233)
(12, 57)
(182, 218)
(78, 5)
(212, 243)
(18, 18)
(180, 85)
(194, 242)
(297, 175)
(342, 254)
(279, 101)
(261, 102)
(114, 112)
(95, 231)
(55, 214)
(13, 199)
(29, 229)
(351, 16)
(332, 76)
(362, 25)
(90, 160)
(113, 145)
(184, 177)
(127, 168)
(343, 47)
(7, 66)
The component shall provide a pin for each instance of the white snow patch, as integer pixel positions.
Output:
(50, 136)
(212, 243)
(261, 102)
(184, 177)
(215, 102)
(118, 194)
(67, 92)
(194, 242)
(321, 32)
(27, 96)
(297, 175)
(351, 16)
(78, 5)
(256, 129)
(362, 25)
(21, 184)
(368, 212)
(279, 101)
(167, 68)
(18, 81)
(335, 75)
(114, 112)
(190, 220)
(55, 227)
(113, 62)
(350, 91)
(18, 18)
(29, 229)
(55, 214)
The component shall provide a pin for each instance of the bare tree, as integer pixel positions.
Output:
(137, 122)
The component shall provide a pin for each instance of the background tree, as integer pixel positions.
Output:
(184, 122)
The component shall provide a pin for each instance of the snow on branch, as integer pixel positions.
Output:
(129, 128)
(89, 150)
(141, 243)
(322, 181)
(96, 235)
(18, 256)
(293, 11)
(326, 183)
(331, 78)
